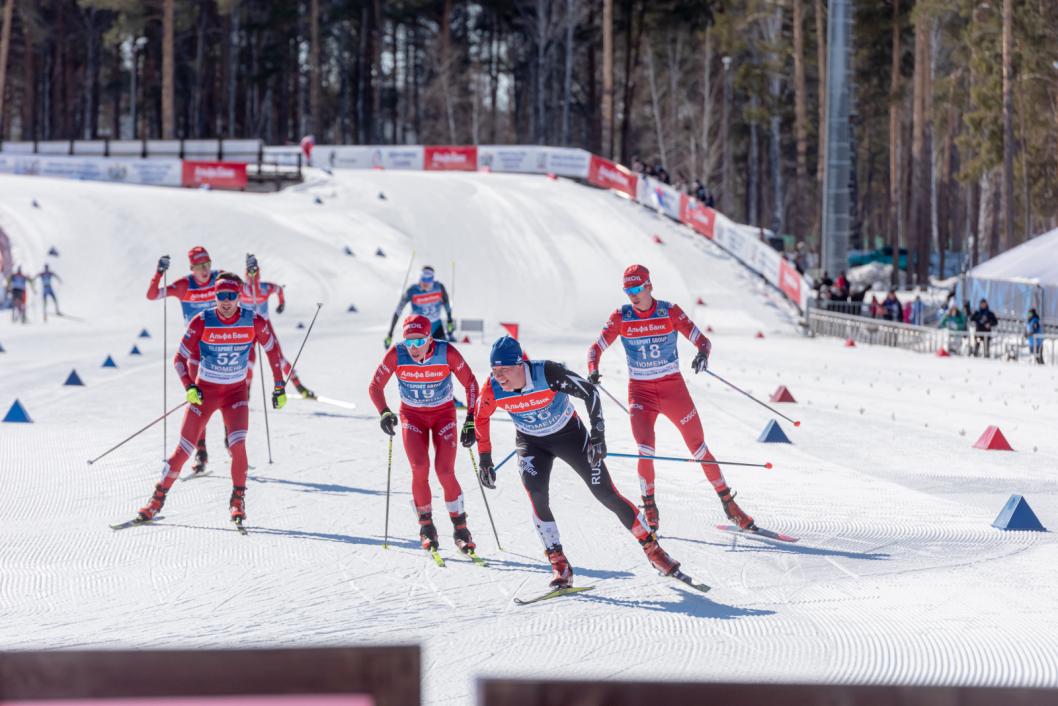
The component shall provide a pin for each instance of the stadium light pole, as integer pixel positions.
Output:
(725, 137)
(837, 171)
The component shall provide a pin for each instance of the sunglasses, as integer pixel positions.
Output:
(416, 342)
(227, 296)
(635, 290)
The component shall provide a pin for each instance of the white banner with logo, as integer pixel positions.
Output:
(158, 172)
(367, 157)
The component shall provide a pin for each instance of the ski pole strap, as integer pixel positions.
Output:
(766, 464)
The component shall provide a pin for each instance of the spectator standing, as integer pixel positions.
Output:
(1034, 334)
(891, 307)
(984, 320)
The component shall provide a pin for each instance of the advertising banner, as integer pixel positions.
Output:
(367, 157)
(216, 175)
(608, 175)
(158, 172)
(514, 158)
(450, 158)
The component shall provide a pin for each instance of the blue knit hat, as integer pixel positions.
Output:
(505, 351)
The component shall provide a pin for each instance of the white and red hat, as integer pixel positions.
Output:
(197, 255)
(417, 326)
(228, 285)
(636, 276)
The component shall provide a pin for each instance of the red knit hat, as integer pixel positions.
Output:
(415, 325)
(197, 255)
(636, 276)
(228, 285)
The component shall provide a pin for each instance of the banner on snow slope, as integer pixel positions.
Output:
(216, 175)
(367, 157)
(609, 175)
(533, 159)
(699, 217)
(660, 197)
(158, 172)
(448, 158)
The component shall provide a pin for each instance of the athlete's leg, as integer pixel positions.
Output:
(445, 446)
(534, 463)
(677, 405)
(415, 433)
(643, 412)
(236, 412)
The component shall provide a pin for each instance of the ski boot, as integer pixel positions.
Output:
(650, 509)
(734, 512)
(201, 459)
(461, 535)
(658, 557)
(427, 531)
(305, 392)
(561, 571)
(154, 505)
(237, 504)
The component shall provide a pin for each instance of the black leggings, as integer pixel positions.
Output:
(536, 456)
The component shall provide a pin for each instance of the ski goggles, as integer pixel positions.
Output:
(227, 296)
(416, 342)
(635, 290)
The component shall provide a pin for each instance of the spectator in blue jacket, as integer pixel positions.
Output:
(1034, 333)
(892, 308)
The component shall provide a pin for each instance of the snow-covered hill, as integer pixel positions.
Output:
(898, 576)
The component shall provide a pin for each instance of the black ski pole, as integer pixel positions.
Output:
(616, 401)
(766, 464)
(133, 436)
(311, 324)
(762, 404)
(474, 465)
(389, 476)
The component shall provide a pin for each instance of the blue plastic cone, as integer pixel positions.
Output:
(301, 324)
(352, 307)
(773, 434)
(18, 414)
(135, 350)
(109, 363)
(73, 379)
(2, 348)
(1017, 515)
(145, 333)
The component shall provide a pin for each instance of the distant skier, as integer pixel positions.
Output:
(254, 296)
(45, 278)
(426, 297)
(196, 294)
(424, 367)
(17, 284)
(221, 340)
(648, 329)
(535, 394)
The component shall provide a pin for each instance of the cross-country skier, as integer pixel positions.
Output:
(221, 340)
(196, 294)
(536, 395)
(254, 295)
(424, 367)
(426, 297)
(45, 278)
(17, 284)
(648, 329)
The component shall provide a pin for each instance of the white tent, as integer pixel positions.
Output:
(1022, 277)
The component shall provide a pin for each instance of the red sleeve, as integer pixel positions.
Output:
(610, 331)
(270, 345)
(482, 413)
(279, 293)
(685, 326)
(176, 289)
(385, 370)
(187, 351)
(458, 365)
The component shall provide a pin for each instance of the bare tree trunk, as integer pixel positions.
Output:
(1008, 125)
(200, 80)
(494, 79)
(567, 82)
(988, 227)
(233, 62)
(896, 220)
(314, 123)
(29, 81)
(446, 63)
(728, 181)
(821, 58)
(654, 104)
(377, 34)
(800, 118)
(753, 168)
(5, 47)
(168, 89)
(607, 78)
(632, 46)
(920, 158)
(674, 49)
(540, 135)
(773, 33)
(707, 105)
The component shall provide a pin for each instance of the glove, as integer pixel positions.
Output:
(466, 435)
(594, 377)
(251, 263)
(700, 362)
(388, 422)
(388, 342)
(279, 396)
(163, 263)
(596, 449)
(487, 471)
(450, 327)
(279, 309)
(194, 395)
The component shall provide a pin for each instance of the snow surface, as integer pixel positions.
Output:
(898, 577)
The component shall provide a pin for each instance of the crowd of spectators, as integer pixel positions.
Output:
(693, 187)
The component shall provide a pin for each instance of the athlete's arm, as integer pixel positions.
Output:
(692, 333)
(458, 365)
(377, 389)
(404, 299)
(176, 289)
(187, 351)
(610, 331)
(270, 345)
(444, 300)
(482, 413)
(561, 379)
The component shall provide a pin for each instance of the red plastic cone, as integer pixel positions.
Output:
(512, 329)
(782, 394)
(700, 302)
(943, 353)
(466, 339)
(849, 343)
(552, 176)
(760, 334)
(708, 329)
(658, 240)
(993, 440)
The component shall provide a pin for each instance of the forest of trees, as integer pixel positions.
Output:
(955, 108)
